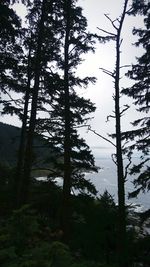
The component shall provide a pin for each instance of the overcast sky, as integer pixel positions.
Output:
(104, 57)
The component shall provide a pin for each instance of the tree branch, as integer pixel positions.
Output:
(125, 66)
(112, 21)
(127, 166)
(104, 138)
(126, 108)
(108, 72)
(110, 116)
(113, 157)
(111, 33)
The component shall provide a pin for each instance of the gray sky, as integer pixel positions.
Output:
(101, 93)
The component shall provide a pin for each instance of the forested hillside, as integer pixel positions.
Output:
(9, 145)
(9, 142)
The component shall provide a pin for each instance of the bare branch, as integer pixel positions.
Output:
(112, 21)
(127, 166)
(122, 17)
(104, 138)
(110, 116)
(111, 33)
(125, 66)
(81, 126)
(113, 157)
(126, 108)
(108, 72)
(129, 10)
(121, 42)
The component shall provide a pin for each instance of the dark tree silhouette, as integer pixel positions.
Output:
(121, 248)
(42, 46)
(70, 107)
(67, 142)
(28, 152)
(140, 92)
(10, 54)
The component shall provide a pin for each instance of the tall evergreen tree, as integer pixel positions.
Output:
(68, 109)
(37, 69)
(67, 128)
(50, 83)
(13, 75)
(19, 69)
(140, 92)
(44, 45)
(10, 53)
(76, 42)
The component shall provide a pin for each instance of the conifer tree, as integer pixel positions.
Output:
(19, 70)
(69, 110)
(10, 54)
(42, 46)
(37, 68)
(13, 75)
(140, 92)
(77, 41)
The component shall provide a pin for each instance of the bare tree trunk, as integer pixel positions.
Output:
(65, 220)
(28, 153)
(122, 248)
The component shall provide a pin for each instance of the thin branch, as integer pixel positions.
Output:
(129, 10)
(16, 101)
(81, 126)
(110, 116)
(127, 167)
(12, 100)
(113, 156)
(104, 138)
(121, 42)
(125, 143)
(108, 72)
(112, 21)
(111, 33)
(125, 66)
(126, 108)
(122, 17)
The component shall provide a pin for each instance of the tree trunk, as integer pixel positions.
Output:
(28, 153)
(122, 249)
(65, 220)
(21, 151)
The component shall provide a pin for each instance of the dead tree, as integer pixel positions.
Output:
(121, 244)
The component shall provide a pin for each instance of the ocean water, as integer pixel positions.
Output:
(106, 179)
